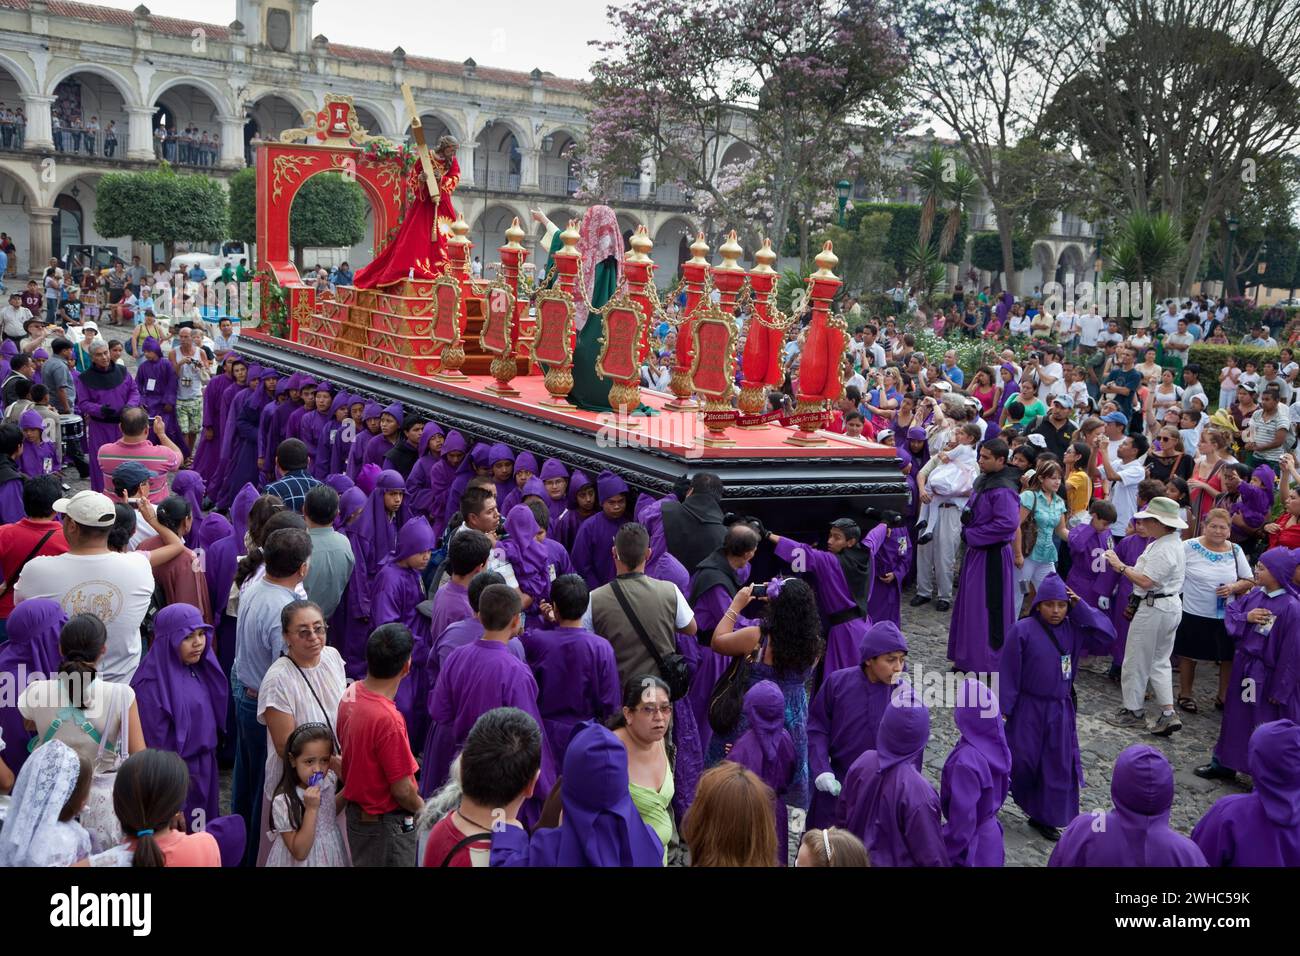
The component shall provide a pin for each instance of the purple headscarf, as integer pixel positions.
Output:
(1281, 563)
(190, 486)
(340, 483)
(33, 649)
(534, 487)
(527, 556)
(367, 477)
(243, 504)
(350, 502)
(979, 720)
(765, 713)
(374, 532)
(415, 536)
(500, 452)
(577, 481)
(600, 825)
(430, 429)
(904, 728)
(526, 461)
(161, 674)
(215, 527)
(1275, 770)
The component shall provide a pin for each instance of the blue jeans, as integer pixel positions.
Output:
(250, 769)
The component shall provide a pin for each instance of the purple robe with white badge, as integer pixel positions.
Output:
(1261, 828)
(577, 681)
(162, 375)
(475, 679)
(975, 780)
(1129, 548)
(886, 803)
(894, 557)
(986, 604)
(1087, 545)
(101, 393)
(1035, 687)
(843, 719)
(1135, 831)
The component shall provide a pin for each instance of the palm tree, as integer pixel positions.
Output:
(928, 176)
(1146, 248)
(959, 191)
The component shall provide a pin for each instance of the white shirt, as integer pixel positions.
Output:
(1067, 323)
(1124, 491)
(1090, 327)
(13, 318)
(1205, 570)
(1165, 563)
(1169, 322)
(1054, 370)
(684, 614)
(1020, 324)
(1197, 392)
(877, 355)
(115, 587)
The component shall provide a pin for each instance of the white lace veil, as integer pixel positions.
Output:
(44, 785)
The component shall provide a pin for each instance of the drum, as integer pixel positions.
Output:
(73, 428)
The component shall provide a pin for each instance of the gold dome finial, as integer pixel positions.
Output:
(460, 232)
(641, 244)
(730, 252)
(827, 260)
(514, 234)
(764, 259)
(699, 251)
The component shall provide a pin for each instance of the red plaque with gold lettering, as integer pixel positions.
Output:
(498, 319)
(446, 299)
(554, 323)
(712, 369)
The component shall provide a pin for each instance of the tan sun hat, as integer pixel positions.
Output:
(1164, 510)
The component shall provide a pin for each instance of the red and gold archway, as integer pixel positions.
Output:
(335, 143)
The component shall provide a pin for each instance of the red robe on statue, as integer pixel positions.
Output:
(421, 240)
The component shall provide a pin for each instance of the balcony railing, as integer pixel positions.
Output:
(559, 185)
(77, 140)
(500, 182)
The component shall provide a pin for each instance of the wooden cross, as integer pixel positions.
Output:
(417, 133)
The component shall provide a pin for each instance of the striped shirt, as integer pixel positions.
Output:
(160, 460)
(292, 489)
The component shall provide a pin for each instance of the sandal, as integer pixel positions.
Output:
(1187, 704)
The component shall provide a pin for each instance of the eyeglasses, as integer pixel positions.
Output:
(650, 710)
(316, 629)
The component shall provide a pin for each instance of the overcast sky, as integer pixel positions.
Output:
(503, 33)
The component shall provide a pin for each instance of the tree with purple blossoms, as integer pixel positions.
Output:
(797, 83)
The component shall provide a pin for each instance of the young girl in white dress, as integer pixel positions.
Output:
(304, 814)
(40, 827)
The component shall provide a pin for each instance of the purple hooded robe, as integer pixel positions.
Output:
(592, 546)
(30, 653)
(419, 483)
(767, 749)
(396, 595)
(101, 396)
(577, 681)
(565, 530)
(975, 780)
(986, 604)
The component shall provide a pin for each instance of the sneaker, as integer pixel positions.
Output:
(1165, 725)
(918, 601)
(942, 605)
(1127, 719)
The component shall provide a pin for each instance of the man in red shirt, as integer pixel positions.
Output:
(378, 766)
(499, 767)
(18, 541)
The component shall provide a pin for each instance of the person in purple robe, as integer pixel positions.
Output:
(419, 483)
(525, 470)
(242, 372)
(103, 390)
(577, 676)
(893, 561)
(1038, 667)
(559, 561)
(581, 506)
(189, 485)
(841, 575)
(340, 483)
(246, 418)
(231, 834)
(367, 477)
(451, 464)
(555, 479)
(1261, 623)
(397, 593)
(1114, 590)
(502, 462)
(155, 378)
(987, 602)
(592, 551)
(715, 582)
(478, 468)
(219, 550)
(975, 780)
(268, 433)
(306, 403)
(599, 826)
(205, 458)
(845, 714)
(1260, 828)
(530, 560)
(38, 457)
(1087, 543)
(478, 677)
(390, 433)
(30, 653)
(373, 536)
(1135, 831)
(292, 388)
(330, 455)
(239, 515)
(767, 749)
(313, 424)
(887, 803)
(370, 421)
(182, 696)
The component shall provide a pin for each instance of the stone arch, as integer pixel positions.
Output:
(627, 224)
(1043, 256)
(22, 78)
(672, 247)
(125, 87)
(523, 129)
(556, 170)
(221, 100)
(498, 157)
(432, 119)
(1072, 261)
(737, 152)
(562, 214)
(382, 125)
(488, 232)
(263, 120)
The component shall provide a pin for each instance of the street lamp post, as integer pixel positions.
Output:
(1227, 259)
(842, 190)
(1263, 267)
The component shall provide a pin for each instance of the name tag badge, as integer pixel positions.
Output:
(49, 465)
(1067, 668)
(333, 435)
(149, 385)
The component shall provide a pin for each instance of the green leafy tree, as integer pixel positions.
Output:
(161, 207)
(328, 210)
(243, 206)
(860, 249)
(986, 252)
(1146, 248)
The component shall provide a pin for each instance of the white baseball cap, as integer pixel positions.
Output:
(89, 508)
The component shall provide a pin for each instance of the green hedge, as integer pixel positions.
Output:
(1212, 359)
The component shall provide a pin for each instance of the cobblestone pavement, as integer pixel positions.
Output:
(1099, 742)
